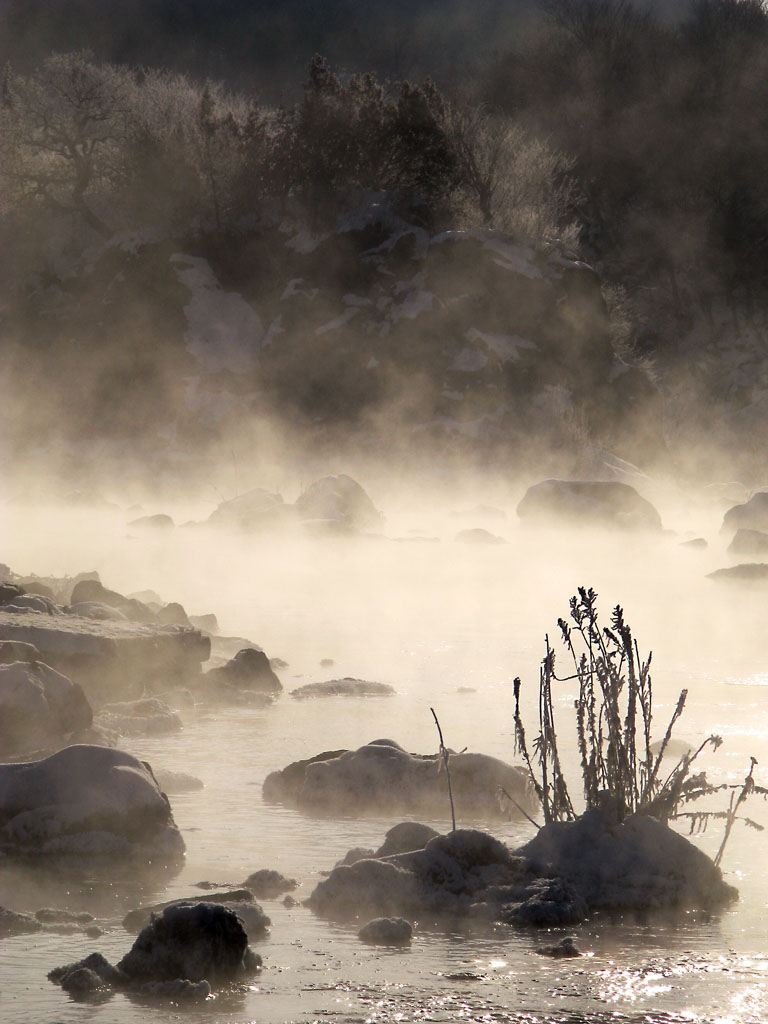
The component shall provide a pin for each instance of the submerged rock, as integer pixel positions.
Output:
(347, 687)
(268, 885)
(382, 778)
(147, 717)
(597, 503)
(387, 931)
(87, 807)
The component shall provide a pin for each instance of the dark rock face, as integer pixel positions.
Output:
(346, 687)
(598, 503)
(39, 708)
(752, 515)
(87, 806)
(196, 942)
(381, 777)
(248, 670)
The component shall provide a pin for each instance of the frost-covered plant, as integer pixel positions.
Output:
(614, 712)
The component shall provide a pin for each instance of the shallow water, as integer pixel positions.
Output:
(427, 618)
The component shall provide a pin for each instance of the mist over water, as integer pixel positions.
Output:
(429, 616)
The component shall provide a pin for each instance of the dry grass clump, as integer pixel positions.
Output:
(614, 714)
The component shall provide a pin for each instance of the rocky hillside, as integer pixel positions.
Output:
(378, 331)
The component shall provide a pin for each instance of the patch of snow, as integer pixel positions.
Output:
(224, 331)
(292, 288)
(305, 242)
(275, 328)
(417, 302)
(470, 360)
(505, 346)
(338, 321)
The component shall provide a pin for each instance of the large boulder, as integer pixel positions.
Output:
(39, 708)
(249, 670)
(338, 500)
(382, 778)
(87, 805)
(595, 503)
(637, 864)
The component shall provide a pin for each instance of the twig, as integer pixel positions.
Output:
(517, 805)
(445, 756)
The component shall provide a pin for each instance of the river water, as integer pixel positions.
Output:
(429, 618)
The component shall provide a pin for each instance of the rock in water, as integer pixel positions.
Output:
(387, 931)
(39, 708)
(596, 503)
(381, 777)
(87, 806)
(340, 500)
(347, 687)
(194, 942)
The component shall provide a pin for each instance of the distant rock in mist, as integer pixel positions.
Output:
(749, 542)
(752, 515)
(594, 503)
(346, 687)
(478, 535)
(155, 522)
(745, 573)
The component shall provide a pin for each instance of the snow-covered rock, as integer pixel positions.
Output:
(387, 931)
(149, 716)
(382, 778)
(346, 687)
(87, 804)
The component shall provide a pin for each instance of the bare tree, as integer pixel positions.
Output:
(62, 130)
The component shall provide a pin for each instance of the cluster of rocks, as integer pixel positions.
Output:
(567, 872)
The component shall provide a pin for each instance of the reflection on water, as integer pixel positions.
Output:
(428, 619)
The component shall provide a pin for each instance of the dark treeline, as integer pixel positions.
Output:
(638, 140)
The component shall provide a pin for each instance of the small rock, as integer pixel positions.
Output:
(565, 948)
(387, 931)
